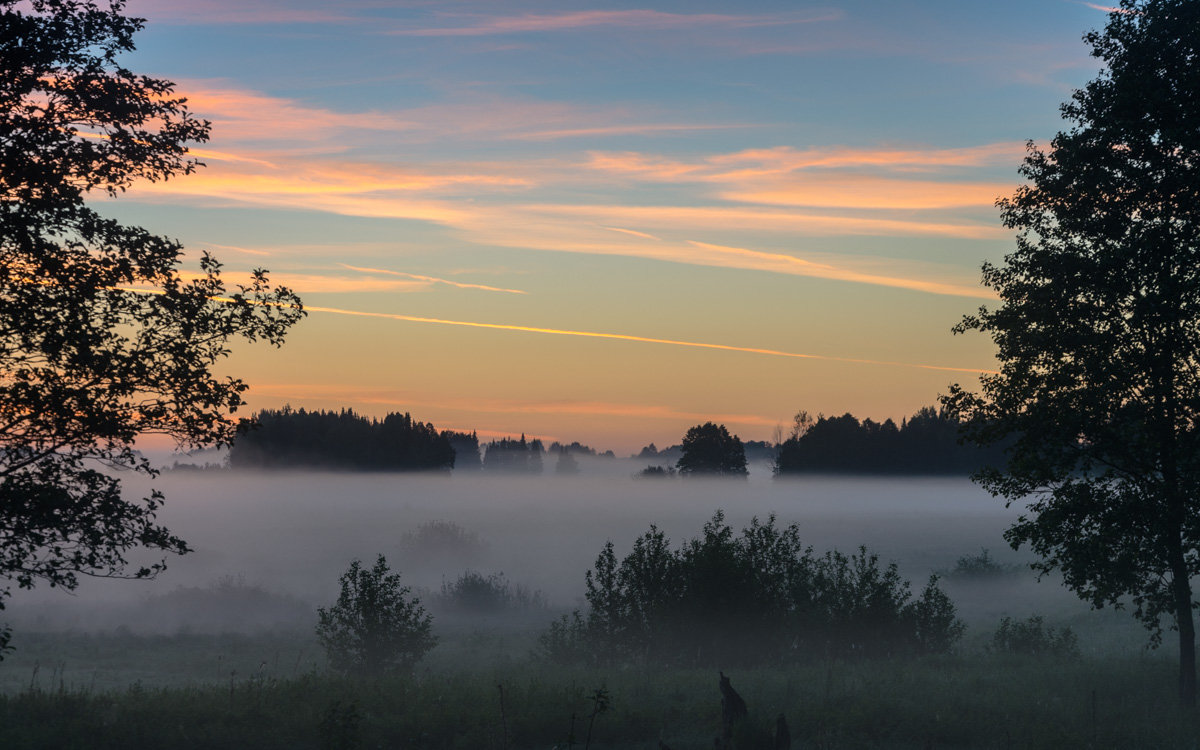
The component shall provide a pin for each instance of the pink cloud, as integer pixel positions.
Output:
(226, 12)
(637, 19)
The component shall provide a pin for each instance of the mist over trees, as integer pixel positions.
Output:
(925, 443)
(287, 438)
(514, 456)
(758, 596)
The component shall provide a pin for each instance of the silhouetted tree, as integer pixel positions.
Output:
(709, 449)
(566, 464)
(466, 450)
(514, 456)
(102, 338)
(287, 438)
(1098, 330)
(925, 443)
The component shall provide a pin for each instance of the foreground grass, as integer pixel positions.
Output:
(975, 701)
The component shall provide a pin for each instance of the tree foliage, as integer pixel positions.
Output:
(709, 449)
(510, 456)
(290, 438)
(375, 627)
(758, 596)
(1098, 329)
(925, 443)
(103, 338)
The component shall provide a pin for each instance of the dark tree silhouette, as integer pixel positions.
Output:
(709, 449)
(925, 443)
(102, 339)
(1098, 331)
(466, 450)
(514, 456)
(288, 438)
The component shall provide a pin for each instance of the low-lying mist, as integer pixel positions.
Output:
(269, 547)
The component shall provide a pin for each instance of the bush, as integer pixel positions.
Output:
(442, 539)
(657, 472)
(475, 593)
(722, 598)
(374, 627)
(1032, 638)
(981, 566)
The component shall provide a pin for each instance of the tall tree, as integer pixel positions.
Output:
(1098, 332)
(102, 337)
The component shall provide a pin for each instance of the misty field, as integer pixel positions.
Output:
(221, 652)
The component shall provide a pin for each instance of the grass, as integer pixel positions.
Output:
(185, 695)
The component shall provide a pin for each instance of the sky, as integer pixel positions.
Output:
(609, 222)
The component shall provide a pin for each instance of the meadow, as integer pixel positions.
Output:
(220, 652)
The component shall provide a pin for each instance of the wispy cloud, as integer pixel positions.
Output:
(238, 249)
(758, 163)
(270, 12)
(768, 198)
(861, 192)
(639, 19)
(621, 130)
(632, 233)
(1107, 8)
(432, 279)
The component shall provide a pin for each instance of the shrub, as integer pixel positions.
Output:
(1032, 638)
(728, 598)
(980, 566)
(375, 627)
(657, 472)
(441, 543)
(475, 593)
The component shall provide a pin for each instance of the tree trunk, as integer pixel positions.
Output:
(1182, 594)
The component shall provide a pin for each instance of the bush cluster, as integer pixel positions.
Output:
(1032, 637)
(473, 593)
(723, 598)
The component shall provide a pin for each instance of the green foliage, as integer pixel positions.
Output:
(1098, 391)
(340, 727)
(1032, 637)
(103, 337)
(709, 450)
(725, 598)
(906, 702)
(375, 627)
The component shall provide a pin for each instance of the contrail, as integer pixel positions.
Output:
(611, 336)
(432, 279)
(641, 339)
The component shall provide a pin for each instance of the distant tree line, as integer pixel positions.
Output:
(288, 438)
(925, 443)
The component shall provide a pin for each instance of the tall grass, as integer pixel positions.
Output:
(971, 701)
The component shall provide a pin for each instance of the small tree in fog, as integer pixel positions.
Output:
(709, 449)
(376, 626)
